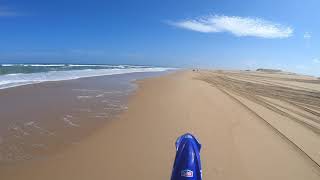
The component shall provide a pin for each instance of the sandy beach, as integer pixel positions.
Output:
(252, 125)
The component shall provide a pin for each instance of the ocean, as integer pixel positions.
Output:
(12, 75)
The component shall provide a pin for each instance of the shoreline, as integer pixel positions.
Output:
(139, 143)
(38, 120)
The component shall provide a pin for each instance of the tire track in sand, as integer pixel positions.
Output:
(234, 88)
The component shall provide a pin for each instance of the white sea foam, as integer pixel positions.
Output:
(102, 115)
(7, 81)
(84, 97)
(29, 123)
(44, 65)
(92, 65)
(100, 95)
(67, 119)
(7, 65)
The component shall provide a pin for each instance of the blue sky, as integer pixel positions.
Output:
(205, 33)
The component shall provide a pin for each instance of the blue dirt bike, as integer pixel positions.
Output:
(187, 164)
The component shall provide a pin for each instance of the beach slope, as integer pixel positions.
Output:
(139, 144)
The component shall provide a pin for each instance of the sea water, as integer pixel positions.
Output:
(12, 75)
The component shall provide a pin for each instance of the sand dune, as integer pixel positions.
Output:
(251, 126)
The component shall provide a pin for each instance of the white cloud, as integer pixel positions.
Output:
(238, 26)
(316, 60)
(307, 35)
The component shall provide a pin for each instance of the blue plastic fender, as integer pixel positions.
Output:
(187, 164)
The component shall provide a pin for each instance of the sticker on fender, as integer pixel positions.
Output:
(187, 173)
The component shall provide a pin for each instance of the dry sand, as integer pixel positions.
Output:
(245, 134)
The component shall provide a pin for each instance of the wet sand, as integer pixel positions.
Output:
(40, 119)
(240, 139)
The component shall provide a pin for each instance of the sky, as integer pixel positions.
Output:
(228, 34)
